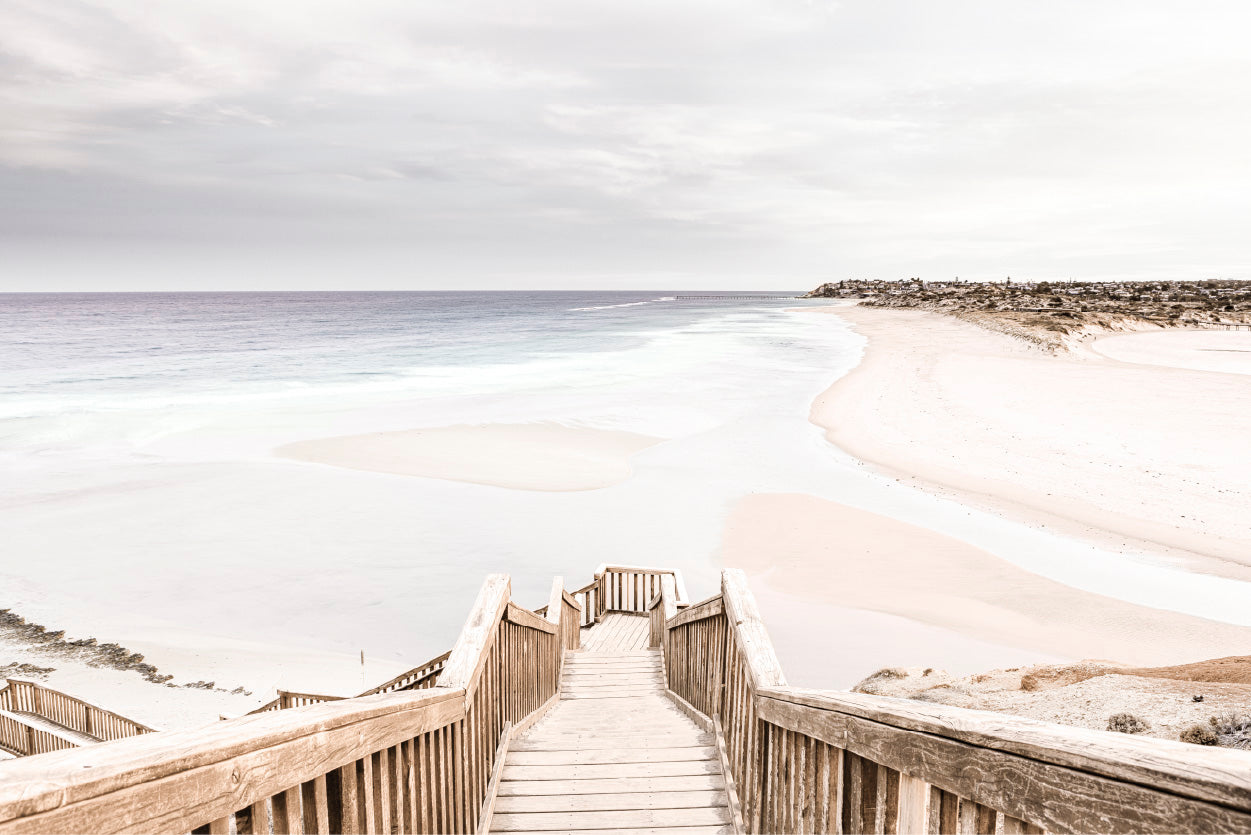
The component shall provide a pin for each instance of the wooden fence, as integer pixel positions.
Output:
(409, 760)
(826, 761)
(418, 678)
(22, 696)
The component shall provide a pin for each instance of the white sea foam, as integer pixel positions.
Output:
(626, 304)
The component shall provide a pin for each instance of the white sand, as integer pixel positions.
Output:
(828, 552)
(1131, 456)
(1226, 352)
(540, 456)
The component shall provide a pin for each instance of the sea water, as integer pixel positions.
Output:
(143, 502)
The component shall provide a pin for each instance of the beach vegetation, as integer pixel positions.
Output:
(1199, 735)
(1128, 723)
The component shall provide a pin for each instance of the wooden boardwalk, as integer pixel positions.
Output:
(615, 753)
(617, 632)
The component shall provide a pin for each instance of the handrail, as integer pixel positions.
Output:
(420, 677)
(180, 780)
(425, 675)
(285, 700)
(22, 696)
(818, 761)
(23, 738)
(409, 761)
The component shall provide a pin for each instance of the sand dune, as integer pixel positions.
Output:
(539, 456)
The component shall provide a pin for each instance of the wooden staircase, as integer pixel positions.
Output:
(615, 753)
(37, 720)
(617, 707)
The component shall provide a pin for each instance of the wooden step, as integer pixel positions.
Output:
(706, 799)
(612, 785)
(606, 755)
(592, 772)
(665, 830)
(619, 819)
(581, 742)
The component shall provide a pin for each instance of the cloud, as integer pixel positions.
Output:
(733, 143)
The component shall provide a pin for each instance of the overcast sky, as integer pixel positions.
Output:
(174, 144)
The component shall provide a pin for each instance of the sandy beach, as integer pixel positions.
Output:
(1126, 443)
(1132, 442)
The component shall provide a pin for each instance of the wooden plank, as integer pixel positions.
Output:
(653, 830)
(708, 609)
(731, 792)
(524, 617)
(653, 683)
(554, 600)
(636, 818)
(213, 770)
(590, 772)
(1215, 774)
(651, 678)
(612, 802)
(601, 696)
(582, 742)
(993, 778)
(914, 796)
(497, 769)
(612, 785)
(468, 653)
(629, 755)
(761, 663)
(701, 721)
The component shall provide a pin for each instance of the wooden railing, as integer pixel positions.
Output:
(418, 678)
(624, 588)
(827, 761)
(28, 697)
(409, 761)
(23, 738)
(286, 700)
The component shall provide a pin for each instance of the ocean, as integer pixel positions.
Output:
(125, 368)
(144, 502)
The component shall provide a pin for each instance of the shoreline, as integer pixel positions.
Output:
(946, 406)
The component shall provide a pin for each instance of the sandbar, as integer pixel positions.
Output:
(534, 456)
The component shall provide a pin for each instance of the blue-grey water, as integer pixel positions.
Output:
(75, 354)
